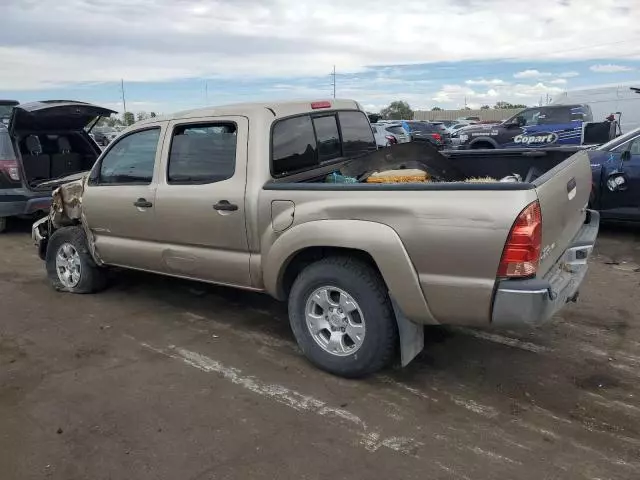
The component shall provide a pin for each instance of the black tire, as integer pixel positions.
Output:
(92, 277)
(3, 224)
(365, 285)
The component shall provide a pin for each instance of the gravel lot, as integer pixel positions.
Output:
(163, 379)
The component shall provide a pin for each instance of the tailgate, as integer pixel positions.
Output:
(563, 193)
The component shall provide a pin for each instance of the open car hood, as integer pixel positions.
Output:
(55, 115)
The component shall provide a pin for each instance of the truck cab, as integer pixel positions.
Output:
(551, 125)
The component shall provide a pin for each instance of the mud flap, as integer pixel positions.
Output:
(411, 336)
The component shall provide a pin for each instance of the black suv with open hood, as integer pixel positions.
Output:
(43, 141)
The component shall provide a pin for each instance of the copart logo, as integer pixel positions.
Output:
(536, 139)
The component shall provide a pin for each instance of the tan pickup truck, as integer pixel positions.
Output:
(295, 200)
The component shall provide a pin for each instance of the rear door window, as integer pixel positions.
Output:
(329, 146)
(357, 136)
(294, 145)
(202, 153)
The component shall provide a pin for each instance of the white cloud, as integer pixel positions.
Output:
(482, 81)
(559, 81)
(57, 42)
(568, 74)
(531, 74)
(454, 96)
(610, 68)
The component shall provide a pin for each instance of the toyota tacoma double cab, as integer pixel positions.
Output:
(367, 246)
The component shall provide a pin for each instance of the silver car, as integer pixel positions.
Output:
(388, 134)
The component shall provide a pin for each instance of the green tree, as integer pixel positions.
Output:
(153, 115)
(142, 116)
(397, 110)
(485, 107)
(128, 118)
(502, 105)
(436, 109)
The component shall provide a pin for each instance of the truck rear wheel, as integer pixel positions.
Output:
(342, 317)
(70, 267)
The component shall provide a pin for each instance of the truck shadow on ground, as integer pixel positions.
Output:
(511, 378)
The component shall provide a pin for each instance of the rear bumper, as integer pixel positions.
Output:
(17, 203)
(532, 302)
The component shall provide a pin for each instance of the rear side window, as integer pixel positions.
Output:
(294, 145)
(551, 116)
(357, 136)
(131, 159)
(396, 130)
(329, 146)
(202, 153)
(6, 148)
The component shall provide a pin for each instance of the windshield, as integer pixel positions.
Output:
(610, 145)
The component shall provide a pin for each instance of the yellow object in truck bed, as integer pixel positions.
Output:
(408, 175)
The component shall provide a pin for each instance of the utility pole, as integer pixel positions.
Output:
(124, 102)
(333, 74)
(206, 91)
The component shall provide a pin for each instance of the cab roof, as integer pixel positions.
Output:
(278, 109)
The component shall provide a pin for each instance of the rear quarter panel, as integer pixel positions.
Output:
(454, 239)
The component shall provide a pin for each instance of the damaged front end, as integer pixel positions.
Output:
(66, 210)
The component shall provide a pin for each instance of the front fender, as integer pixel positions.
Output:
(378, 240)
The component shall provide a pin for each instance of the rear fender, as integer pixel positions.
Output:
(380, 241)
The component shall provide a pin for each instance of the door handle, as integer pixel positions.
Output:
(225, 206)
(142, 203)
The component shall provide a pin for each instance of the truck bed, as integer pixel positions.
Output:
(454, 231)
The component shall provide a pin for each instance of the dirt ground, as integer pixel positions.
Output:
(163, 379)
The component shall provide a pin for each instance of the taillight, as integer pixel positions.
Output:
(10, 168)
(391, 139)
(437, 137)
(521, 253)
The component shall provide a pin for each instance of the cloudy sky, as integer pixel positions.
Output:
(177, 54)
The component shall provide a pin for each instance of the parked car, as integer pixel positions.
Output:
(387, 134)
(433, 132)
(552, 125)
(43, 140)
(616, 178)
(363, 266)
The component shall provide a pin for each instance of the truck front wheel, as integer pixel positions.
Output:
(70, 267)
(342, 317)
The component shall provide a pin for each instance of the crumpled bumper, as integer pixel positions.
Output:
(40, 237)
(532, 302)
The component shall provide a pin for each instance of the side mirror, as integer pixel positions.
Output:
(616, 182)
(626, 156)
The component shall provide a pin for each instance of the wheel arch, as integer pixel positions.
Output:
(488, 140)
(374, 243)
